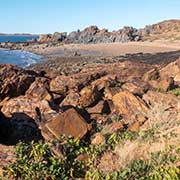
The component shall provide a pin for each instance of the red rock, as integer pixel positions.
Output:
(89, 95)
(152, 74)
(136, 86)
(129, 105)
(69, 123)
(39, 89)
(102, 107)
(23, 104)
(72, 99)
(14, 81)
(171, 70)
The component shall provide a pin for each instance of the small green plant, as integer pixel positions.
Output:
(176, 92)
(159, 89)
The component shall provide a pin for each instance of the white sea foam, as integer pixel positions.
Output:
(18, 57)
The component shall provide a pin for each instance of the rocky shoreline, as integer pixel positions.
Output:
(43, 105)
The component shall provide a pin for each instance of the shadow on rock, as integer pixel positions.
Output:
(20, 127)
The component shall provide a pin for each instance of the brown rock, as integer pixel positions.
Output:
(152, 74)
(39, 89)
(72, 99)
(113, 127)
(69, 123)
(14, 81)
(164, 100)
(136, 86)
(135, 126)
(129, 106)
(101, 107)
(105, 81)
(171, 70)
(166, 83)
(89, 95)
(99, 118)
(111, 91)
(60, 84)
(7, 156)
(23, 104)
(98, 139)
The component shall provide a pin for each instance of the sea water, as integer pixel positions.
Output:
(18, 57)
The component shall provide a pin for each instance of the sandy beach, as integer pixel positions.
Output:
(110, 49)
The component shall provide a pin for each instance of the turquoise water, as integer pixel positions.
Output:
(20, 58)
(16, 38)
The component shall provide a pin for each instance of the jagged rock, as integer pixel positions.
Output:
(14, 81)
(60, 84)
(89, 95)
(129, 106)
(72, 99)
(166, 83)
(69, 123)
(101, 107)
(171, 70)
(39, 89)
(164, 100)
(23, 104)
(136, 86)
(152, 74)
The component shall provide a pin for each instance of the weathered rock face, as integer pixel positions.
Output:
(129, 106)
(14, 81)
(94, 35)
(69, 123)
(89, 95)
(136, 86)
(39, 89)
(24, 104)
(171, 70)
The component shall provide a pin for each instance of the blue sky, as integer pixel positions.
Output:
(47, 16)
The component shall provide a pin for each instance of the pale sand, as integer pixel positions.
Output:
(111, 49)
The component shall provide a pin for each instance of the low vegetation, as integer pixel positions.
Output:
(70, 158)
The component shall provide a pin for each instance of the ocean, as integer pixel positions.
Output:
(13, 38)
(18, 57)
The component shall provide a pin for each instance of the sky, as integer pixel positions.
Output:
(48, 16)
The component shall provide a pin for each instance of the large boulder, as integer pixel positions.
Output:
(68, 123)
(129, 106)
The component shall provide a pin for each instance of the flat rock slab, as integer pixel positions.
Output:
(69, 123)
